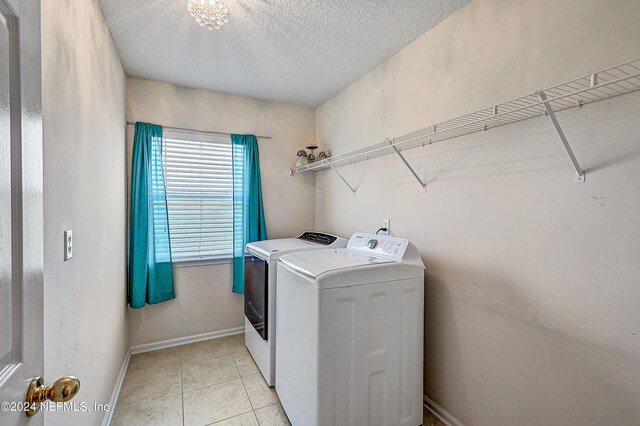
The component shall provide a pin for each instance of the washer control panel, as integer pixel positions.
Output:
(380, 245)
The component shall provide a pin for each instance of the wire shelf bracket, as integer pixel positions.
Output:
(556, 124)
(342, 177)
(293, 172)
(406, 163)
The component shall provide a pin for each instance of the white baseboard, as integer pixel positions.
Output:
(443, 415)
(106, 421)
(184, 340)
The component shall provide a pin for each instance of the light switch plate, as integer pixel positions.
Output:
(68, 245)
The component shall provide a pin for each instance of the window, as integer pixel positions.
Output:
(199, 186)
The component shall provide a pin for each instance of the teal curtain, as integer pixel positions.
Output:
(150, 269)
(248, 211)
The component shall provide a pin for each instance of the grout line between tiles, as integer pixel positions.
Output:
(245, 389)
(268, 405)
(149, 370)
(232, 417)
(214, 384)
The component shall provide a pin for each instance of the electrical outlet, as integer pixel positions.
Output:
(68, 245)
(385, 224)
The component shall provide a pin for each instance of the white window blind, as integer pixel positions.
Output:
(199, 186)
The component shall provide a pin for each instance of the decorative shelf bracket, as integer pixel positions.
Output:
(406, 163)
(342, 177)
(554, 120)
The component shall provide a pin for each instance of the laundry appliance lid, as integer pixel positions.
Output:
(322, 261)
(332, 268)
(368, 258)
(273, 249)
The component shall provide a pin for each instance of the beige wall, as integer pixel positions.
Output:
(204, 302)
(533, 281)
(84, 176)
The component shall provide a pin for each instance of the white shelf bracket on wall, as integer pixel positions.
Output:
(563, 138)
(406, 163)
(342, 177)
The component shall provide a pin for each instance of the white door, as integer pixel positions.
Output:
(21, 245)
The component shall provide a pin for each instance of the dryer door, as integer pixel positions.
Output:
(256, 285)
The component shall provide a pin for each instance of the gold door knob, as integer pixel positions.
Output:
(62, 390)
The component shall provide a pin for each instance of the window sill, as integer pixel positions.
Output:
(203, 262)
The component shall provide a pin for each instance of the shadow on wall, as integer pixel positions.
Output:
(308, 180)
(533, 144)
(441, 343)
(519, 148)
(466, 333)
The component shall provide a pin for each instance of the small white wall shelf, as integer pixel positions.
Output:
(614, 81)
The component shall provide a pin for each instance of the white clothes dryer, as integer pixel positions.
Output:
(260, 289)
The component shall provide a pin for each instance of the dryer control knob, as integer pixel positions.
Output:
(372, 243)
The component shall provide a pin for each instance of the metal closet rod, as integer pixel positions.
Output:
(209, 132)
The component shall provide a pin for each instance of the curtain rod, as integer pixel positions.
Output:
(199, 131)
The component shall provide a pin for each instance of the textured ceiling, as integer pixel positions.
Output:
(295, 51)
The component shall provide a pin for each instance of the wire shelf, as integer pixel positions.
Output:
(605, 84)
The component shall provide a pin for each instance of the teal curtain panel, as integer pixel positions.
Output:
(150, 269)
(248, 210)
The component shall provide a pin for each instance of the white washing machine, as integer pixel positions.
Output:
(260, 289)
(350, 334)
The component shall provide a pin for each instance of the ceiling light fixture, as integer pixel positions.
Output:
(209, 14)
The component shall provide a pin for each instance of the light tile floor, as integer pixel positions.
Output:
(215, 382)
